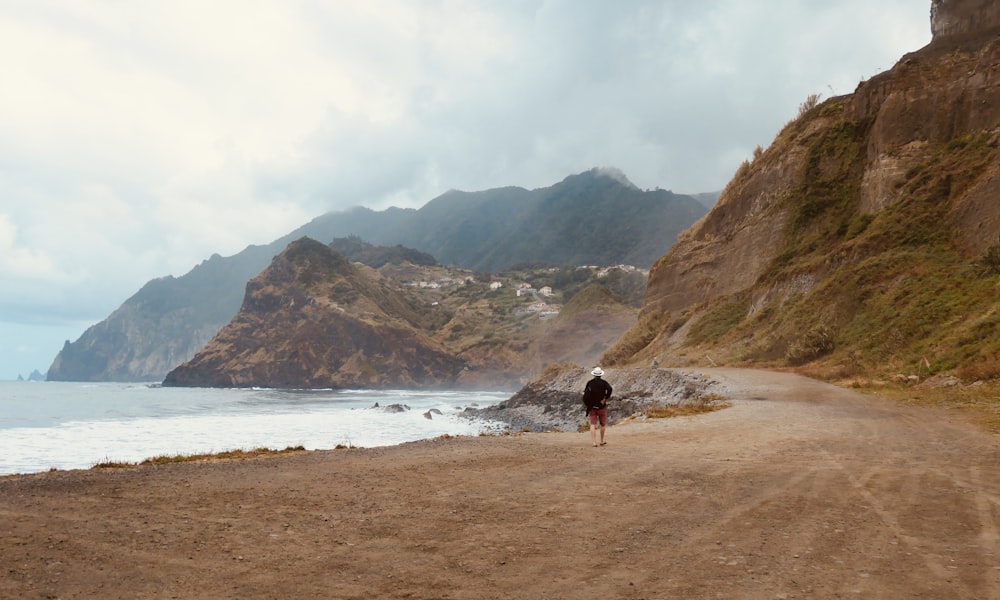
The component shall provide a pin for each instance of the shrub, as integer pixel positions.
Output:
(718, 320)
(809, 103)
(983, 370)
(989, 263)
(858, 225)
(816, 342)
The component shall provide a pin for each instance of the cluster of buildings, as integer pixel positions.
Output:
(540, 306)
(603, 271)
(442, 282)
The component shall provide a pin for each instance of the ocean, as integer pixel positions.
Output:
(60, 425)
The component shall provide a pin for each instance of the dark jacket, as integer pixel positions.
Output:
(596, 394)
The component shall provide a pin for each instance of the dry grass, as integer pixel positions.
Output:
(225, 455)
(702, 404)
(980, 404)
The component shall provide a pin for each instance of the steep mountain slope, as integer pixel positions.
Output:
(495, 229)
(167, 321)
(459, 228)
(602, 211)
(313, 319)
(161, 325)
(866, 239)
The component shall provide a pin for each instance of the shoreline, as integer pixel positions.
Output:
(76, 427)
(547, 404)
(800, 489)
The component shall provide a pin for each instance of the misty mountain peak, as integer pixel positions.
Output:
(614, 173)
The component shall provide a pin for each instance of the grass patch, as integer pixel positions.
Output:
(649, 327)
(225, 455)
(979, 404)
(718, 320)
(703, 404)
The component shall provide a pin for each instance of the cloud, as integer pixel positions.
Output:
(16, 261)
(138, 138)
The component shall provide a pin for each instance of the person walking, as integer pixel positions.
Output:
(595, 397)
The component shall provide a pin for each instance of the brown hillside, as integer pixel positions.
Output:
(313, 319)
(864, 239)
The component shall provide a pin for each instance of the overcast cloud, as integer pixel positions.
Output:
(137, 138)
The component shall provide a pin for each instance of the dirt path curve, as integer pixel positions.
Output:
(800, 490)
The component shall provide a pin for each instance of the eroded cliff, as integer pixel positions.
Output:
(863, 238)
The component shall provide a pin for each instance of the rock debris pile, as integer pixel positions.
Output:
(553, 401)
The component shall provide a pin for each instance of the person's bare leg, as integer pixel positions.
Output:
(602, 435)
(593, 434)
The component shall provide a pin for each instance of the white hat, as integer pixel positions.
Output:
(597, 372)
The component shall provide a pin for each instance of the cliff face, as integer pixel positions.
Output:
(161, 325)
(956, 19)
(132, 344)
(905, 171)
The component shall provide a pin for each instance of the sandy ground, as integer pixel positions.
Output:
(800, 490)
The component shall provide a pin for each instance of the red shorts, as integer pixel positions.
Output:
(601, 413)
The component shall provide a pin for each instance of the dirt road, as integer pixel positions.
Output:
(800, 490)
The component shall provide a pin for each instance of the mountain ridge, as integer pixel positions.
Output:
(147, 336)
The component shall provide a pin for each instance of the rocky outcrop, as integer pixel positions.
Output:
(553, 401)
(958, 19)
(941, 93)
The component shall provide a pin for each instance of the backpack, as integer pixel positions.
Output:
(594, 393)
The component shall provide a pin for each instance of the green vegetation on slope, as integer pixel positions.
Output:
(855, 293)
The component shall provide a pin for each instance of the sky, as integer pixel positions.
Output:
(139, 137)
